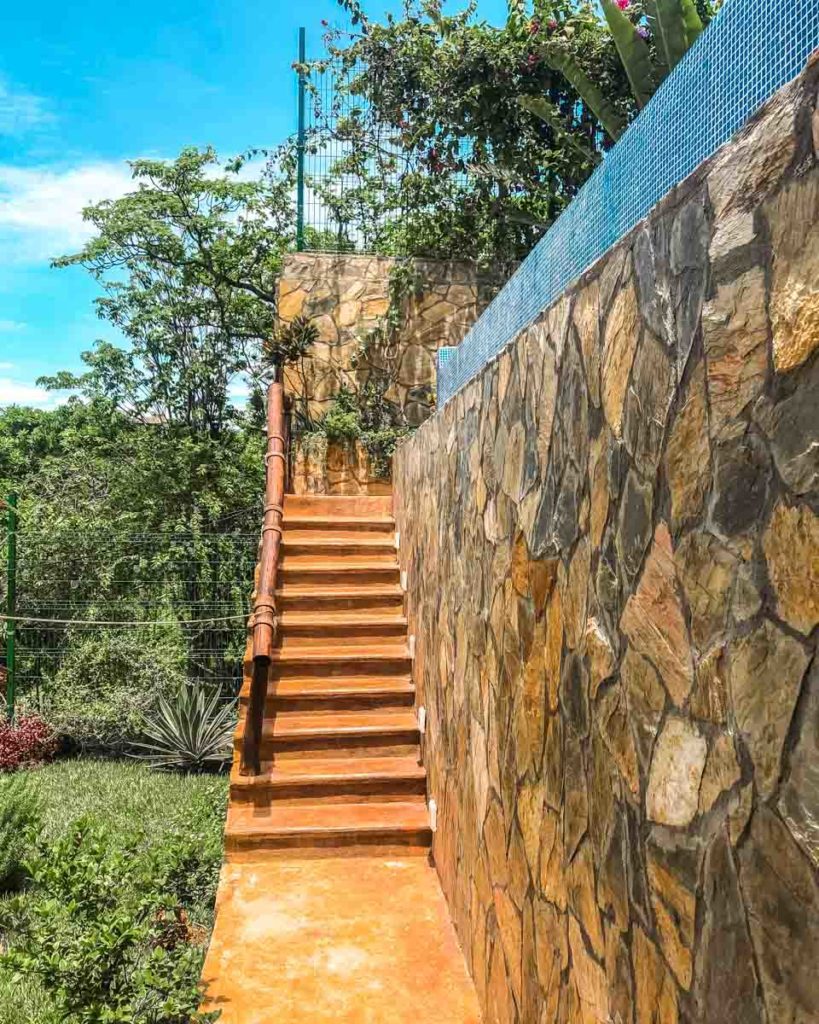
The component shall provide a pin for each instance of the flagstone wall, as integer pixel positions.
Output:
(347, 296)
(612, 548)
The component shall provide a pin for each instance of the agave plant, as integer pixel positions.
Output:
(674, 26)
(190, 730)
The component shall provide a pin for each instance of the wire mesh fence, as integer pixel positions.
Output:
(350, 163)
(132, 606)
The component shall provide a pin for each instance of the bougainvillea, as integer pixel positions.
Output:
(26, 741)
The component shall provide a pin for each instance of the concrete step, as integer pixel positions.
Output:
(314, 826)
(337, 506)
(332, 780)
(343, 573)
(364, 732)
(322, 598)
(319, 693)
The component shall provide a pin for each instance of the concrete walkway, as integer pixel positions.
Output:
(335, 940)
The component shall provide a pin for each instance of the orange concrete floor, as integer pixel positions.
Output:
(335, 940)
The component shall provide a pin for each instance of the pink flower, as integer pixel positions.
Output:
(623, 4)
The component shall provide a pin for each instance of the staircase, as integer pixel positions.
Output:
(340, 743)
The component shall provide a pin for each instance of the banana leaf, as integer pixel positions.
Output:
(634, 52)
(548, 112)
(676, 25)
(606, 114)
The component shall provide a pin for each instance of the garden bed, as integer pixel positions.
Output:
(114, 920)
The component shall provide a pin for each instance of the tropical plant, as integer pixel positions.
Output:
(21, 812)
(191, 730)
(650, 36)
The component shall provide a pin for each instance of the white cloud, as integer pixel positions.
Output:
(41, 207)
(7, 326)
(21, 110)
(16, 392)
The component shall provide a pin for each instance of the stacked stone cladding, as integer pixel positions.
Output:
(612, 547)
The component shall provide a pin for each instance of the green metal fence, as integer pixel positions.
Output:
(150, 597)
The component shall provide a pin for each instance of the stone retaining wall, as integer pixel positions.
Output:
(347, 297)
(613, 567)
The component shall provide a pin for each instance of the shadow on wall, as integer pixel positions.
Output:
(613, 556)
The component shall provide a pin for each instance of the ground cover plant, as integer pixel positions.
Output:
(113, 921)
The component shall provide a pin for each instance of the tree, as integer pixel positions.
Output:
(188, 262)
(438, 155)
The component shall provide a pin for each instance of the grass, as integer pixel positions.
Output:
(132, 802)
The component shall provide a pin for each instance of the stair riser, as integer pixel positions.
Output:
(328, 602)
(339, 702)
(418, 841)
(348, 791)
(312, 554)
(304, 530)
(342, 666)
(341, 634)
(390, 746)
(298, 576)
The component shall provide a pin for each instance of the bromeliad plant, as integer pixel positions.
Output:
(191, 730)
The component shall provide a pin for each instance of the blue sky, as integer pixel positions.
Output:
(84, 86)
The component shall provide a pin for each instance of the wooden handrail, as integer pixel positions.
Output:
(264, 605)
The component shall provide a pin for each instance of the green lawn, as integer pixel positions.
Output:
(132, 803)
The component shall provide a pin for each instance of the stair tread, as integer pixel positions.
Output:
(327, 653)
(332, 565)
(409, 815)
(344, 617)
(324, 541)
(293, 519)
(332, 769)
(341, 722)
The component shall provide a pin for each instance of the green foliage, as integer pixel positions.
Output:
(191, 729)
(189, 263)
(649, 36)
(363, 415)
(119, 905)
(21, 812)
(105, 930)
(108, 679)
(441, 158)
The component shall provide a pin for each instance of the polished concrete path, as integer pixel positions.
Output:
(335, 940)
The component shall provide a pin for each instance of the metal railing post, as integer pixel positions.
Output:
(11, 604)
(300, 146)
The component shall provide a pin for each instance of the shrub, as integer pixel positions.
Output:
(108, 680)
(26, 741)
(190, 730)
(106, 931)
(21, 815)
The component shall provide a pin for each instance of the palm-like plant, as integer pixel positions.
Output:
(190, 730)
(673, 25)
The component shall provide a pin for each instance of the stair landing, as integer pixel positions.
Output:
(341, 940)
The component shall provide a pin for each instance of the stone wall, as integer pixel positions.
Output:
(612, 550)
(347, 297)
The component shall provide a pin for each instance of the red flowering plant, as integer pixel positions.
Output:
(27, 740)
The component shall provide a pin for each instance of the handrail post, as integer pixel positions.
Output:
(264, 606)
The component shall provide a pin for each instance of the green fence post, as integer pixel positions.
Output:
(11, 603)
(300, 147)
